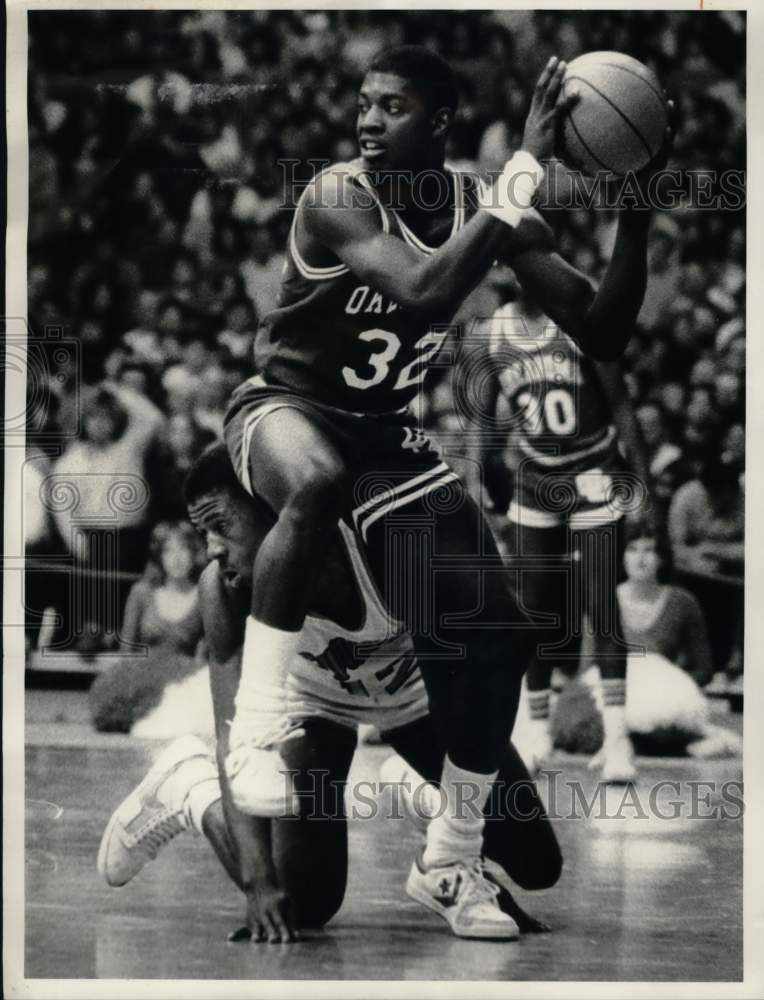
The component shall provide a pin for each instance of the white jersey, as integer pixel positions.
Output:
(350, 676)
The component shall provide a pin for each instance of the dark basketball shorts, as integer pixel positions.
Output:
(390, 461)
(579, 498)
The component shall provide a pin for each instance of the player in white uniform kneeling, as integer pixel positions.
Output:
(354, 666)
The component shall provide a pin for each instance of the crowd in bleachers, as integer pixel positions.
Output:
(159, 209)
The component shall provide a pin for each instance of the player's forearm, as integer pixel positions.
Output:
(440, 281)
(503, 228)
(563, 293)
(605, 328)
(497, 480)
(250, 837)
(625, 420)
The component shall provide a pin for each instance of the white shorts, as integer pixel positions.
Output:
(385, 715)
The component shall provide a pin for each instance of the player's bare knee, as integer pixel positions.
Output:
(319, 493)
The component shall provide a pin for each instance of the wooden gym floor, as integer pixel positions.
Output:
(639, 899)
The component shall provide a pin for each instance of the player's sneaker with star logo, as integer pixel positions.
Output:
(157, 810)
(259, 779)
(461, 894)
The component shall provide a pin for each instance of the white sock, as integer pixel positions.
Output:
(261, 701)
(457, 833)
(614, 709)
(200, 797)
(538, 705)
(191, 787)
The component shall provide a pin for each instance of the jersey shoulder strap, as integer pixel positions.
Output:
(313, 272)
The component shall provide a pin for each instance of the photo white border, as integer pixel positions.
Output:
(13, 646)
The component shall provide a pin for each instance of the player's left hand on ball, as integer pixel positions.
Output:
(269, 917)
(546, 110)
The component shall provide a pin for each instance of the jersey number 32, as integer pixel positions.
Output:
(380, 361)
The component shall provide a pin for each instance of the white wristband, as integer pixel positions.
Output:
(512, 192)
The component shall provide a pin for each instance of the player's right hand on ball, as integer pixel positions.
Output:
(546, 110)
(269, 917)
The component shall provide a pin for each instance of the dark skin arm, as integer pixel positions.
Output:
(497, 478)
(345, 221)
(268, 907)
(601, 320)
(625, 420)
(434, 284)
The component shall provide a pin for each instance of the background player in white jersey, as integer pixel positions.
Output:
(552, 441)
(371, 276)
(354, 666)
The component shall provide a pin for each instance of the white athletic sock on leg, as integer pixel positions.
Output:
(538, 705)
(200, 797)
(192, 785)
(614, 709)
(457, 833)
(261, 701)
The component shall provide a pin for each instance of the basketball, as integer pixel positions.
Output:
(619, 122)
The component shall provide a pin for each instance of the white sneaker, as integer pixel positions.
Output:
(155, 811)
(462, 895)
(616, 758)
(419, 800)
(260, 782)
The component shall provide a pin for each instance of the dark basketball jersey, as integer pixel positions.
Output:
(341, 341)
(553, 405)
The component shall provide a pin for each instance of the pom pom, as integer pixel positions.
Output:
(576, 723)
(133, 686)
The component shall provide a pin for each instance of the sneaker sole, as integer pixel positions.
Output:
(182, 749)
(423, 897)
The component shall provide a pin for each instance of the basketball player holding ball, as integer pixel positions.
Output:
(323, 433)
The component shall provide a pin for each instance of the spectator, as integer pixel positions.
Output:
(706, 526)
(657, 615)
(212, 401)
(181, 388)
(261, 270)
(238, 336)
(662, 276)
(118, 427)
(163, 607)
(706, 522)
(660, 452)
(100, 500)
(163, 624)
